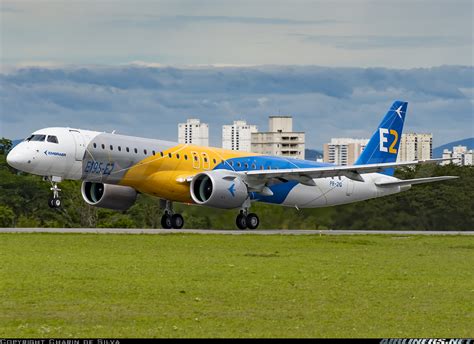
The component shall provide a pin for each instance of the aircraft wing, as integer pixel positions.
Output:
(306, 175)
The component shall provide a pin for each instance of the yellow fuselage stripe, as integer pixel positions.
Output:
(163, 175)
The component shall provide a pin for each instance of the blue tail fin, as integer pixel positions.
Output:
(383, 146)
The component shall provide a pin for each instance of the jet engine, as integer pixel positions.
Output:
(219, 188)
(108, 196)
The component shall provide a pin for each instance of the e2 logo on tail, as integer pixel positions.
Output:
(383, 140)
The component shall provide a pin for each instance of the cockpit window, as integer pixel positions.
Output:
(53, 139)
(36, 138)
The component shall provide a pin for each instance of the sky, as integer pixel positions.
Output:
(140, 67)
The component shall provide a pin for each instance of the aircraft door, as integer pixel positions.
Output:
(196, 160)
(80, 145)
(206, 163)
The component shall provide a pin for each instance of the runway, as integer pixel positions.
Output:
(225, 232)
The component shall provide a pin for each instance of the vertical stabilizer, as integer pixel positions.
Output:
(384, 144)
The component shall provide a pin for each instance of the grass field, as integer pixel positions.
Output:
(88, 285)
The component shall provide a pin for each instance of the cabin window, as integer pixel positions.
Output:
(37, 138)
(153, 152)
(127, 149)
(52, 139)
(135, 150)
(214, 161)
(111, 147)
(169, 155)
(95, 145)
(246, 165)
(119, 148)
(144, 151)
(177, 156)
(239, 164)
(254, 167)
(103, 146)
(185, 157)
(161, 153)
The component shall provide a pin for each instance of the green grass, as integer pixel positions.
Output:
(60, 285)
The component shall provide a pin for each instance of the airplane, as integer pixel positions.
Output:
(115, 168)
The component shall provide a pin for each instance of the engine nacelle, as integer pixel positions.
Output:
(108, 196)
(219, 188)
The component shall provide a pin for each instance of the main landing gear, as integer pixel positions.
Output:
(245, 220)
(169, 219)
(54, 201)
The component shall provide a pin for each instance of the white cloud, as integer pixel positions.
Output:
(150, 101)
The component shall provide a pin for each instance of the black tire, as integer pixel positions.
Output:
(241, 221)
(252, 221)
(166, 221)
(57, 203)
(51, 202)
(177, 221)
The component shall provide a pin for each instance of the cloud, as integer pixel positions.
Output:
(351, 33)
(10, 9)
(152, 20)
(150, 101)
(385, 41)
(254, 20)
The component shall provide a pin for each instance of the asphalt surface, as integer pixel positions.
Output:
(225, 232)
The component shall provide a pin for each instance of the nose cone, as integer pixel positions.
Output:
(16, 160)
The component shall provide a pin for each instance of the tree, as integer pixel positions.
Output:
(7, 216)
(5, 145)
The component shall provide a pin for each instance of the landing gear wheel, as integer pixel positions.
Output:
(241, 221)
(54, 202)
(166, 221)
(177, 221)
(252, 221)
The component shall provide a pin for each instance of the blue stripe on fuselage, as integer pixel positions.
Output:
(280, 189)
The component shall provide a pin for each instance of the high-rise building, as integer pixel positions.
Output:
(280, 140)
(193, 132)
(462, 155)
(238, 136)
(414, 146)
(344, 151)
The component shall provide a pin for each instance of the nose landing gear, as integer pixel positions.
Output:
(54, 201)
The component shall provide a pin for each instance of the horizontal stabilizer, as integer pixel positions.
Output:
(415, 181)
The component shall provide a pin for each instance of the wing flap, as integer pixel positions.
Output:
(415, 181)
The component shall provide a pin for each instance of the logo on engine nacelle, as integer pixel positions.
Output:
(232, 190)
